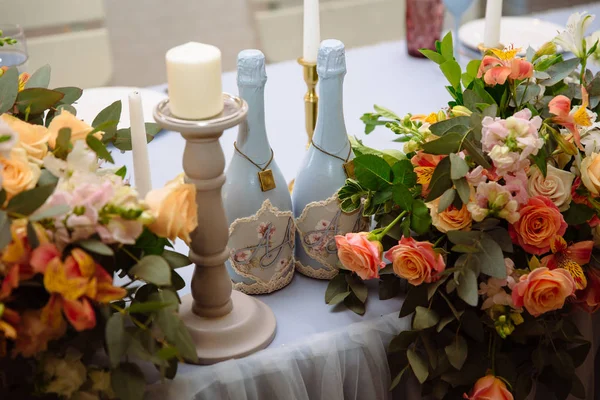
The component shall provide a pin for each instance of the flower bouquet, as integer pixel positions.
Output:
(490, 220)
(67, 226)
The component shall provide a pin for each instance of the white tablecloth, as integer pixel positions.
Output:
(316, 353)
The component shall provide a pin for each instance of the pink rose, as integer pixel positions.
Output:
(415, 261)
(540, 221)
(360, 255)
(543, 290)
(489, 387)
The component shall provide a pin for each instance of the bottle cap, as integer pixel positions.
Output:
(331, 60)
(251, 68)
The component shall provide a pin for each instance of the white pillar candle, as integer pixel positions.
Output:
(312, 31)
(493, 15)
(139, 145)
(194, 79)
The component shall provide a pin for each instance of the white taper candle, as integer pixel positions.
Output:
(312, 31)
(493, 15)
(139, 145)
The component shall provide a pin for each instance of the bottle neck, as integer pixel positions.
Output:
(252, 134)
(330, 132)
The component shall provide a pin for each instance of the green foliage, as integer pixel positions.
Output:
(28, 201)
(121, 139)
(9, 87)
(153, 269)
(36, 100)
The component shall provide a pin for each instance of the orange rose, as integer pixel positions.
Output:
(417, 262)
(174, 207)
(360, 255)
(540, 222)
(451, 219)
(489, 387)
(33, 138)
(543, 290)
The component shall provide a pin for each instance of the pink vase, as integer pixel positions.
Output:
(424, 20)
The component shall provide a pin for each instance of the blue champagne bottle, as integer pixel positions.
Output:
(323, 172)
(256, 197)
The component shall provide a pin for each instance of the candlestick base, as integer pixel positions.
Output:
(249, 327)
(223, 323)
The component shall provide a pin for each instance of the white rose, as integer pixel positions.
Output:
(556, 186)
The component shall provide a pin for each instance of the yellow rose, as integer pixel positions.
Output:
(451, 219)
(18, 174)
(590, 173)
(174, 207)
(79, 129)
(32, 138)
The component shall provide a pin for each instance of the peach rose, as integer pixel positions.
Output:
(451, 219)
(18, 174)
(489, 387)
(358, 254)
(174, 207)
(417, 262)
(79, 129)
(540, 222)
(556, 186)
(543, 290)
(33, 138)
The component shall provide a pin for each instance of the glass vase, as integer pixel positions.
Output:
(424, 21)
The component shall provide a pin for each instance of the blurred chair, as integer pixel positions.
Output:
(67, 34)
(354, 22)
(142, 31)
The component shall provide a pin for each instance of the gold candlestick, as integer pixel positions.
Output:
(311, 100)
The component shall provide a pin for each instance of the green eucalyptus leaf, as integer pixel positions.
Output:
(5, 234)
(476, 153)
(389, 286)
(99, 148)
(117, 340)
(153, 269)
(109, 113)
(32, 237)
(440, 128)
(467, 287)
(147, 306)
(50, 212)
(444, 322)
(490, 257)
(71, 94)
(128, 382)
(123, 136)
(458, 167)
(440, 180)
(338, 298)
(449, 143)
(424, 318)
(176, 260)
(416, 296)
(37, 100)
(96, 246)
(27, 202)
(462, 188)
(418, 365)
(40, 78)
(9, 89)
(177, 281)
(560, 71)
(398, 378)
(446, 200)
(457, 352)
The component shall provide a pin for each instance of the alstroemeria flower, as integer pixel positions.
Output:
(496, 70)
(72, 284)
(424, 166)
(570, 258)
(573, 39)
(9, 320)
(572, 119)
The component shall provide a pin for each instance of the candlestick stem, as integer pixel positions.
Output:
(311, 100)
(223, 323)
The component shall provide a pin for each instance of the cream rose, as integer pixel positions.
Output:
(32, 138)
(556, 186)
(174, 207)
(18, 174)
(450, 219)
(590, 173)
(79, 129)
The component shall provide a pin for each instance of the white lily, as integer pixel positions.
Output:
(573, 38)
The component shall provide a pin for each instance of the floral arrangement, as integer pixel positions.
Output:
(490, 219)
(68, 330)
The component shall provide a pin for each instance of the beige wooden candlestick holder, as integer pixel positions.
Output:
(223, 323)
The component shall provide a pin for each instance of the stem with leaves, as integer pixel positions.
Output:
(380, 235)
